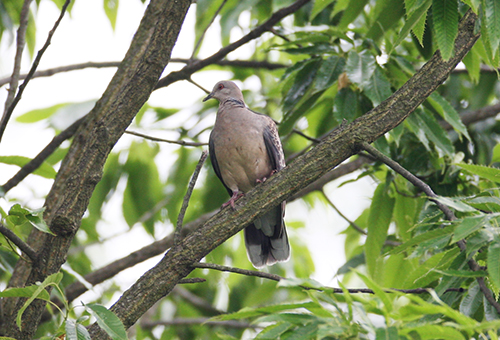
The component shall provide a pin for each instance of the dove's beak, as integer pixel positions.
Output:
(208, 97)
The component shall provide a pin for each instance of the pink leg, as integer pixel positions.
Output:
(263, 179)
(236, 195)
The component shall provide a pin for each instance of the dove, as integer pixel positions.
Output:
(245, 150)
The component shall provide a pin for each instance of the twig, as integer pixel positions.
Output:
(198, 43)
(473, 265)
(187, 197)
(278, 278)
(20, 43)
(179, 142)
(302, 134)
(198, 85)
(197, 321)
(189, 69)
(196, 301)
(8, 112)
(75, 67)
(42, 156)
(9, 234)
(409, 177)
(192, 280)
(351, 223)
(51, 71)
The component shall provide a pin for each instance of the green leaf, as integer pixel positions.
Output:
(461, 273)
(378, 223)
(495, 158)
(346, 105)
(111, 10)
(492, 23)
(385, 14)
(53, 279)
(378, 292)
(445, 19)
(430, 235)
(45, 170)
(469, 225)
(449, 114)
(302, 82)
(328, 72)
(360, 68)
(274, 331)
(435, 133)
(413, 18)
(319, 6)
(351, 12)
(108, 321)
(435, 332)
(39, 114)
(25, 292)
(76, 331)
(472, 301)
(19, 216)
(492, 174)
(390, 333)
(493, 262)
(379, 87)
(455, 203)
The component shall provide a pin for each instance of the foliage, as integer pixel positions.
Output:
(340, 59)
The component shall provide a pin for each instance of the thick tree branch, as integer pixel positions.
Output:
(335, 148)
(81, 170)
(17, 98)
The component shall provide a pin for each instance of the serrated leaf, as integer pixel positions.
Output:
(436, 332)
(445, 19)
(448, 113)
(455, 203)
(468, 225)
(76, 331)
(492, 174)
(492, 23)
(378, 223)
(493, 262)
(430, 235)
(45, 170)
(274, 331)
(302, 82)
(434, 132)
(413, 18)
(472, 301)
(53, 279)
(108, 321)
(472, 62)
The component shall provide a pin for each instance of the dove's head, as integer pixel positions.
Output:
(225, 90)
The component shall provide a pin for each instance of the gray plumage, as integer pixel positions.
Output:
(245, 150)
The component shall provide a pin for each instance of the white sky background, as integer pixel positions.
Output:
(87, 36)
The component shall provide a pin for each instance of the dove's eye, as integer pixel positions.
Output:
(221, 86)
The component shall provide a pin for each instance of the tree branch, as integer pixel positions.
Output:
(473, 265)
(335, 148)
(198, 43)
(20, 42)
(189, 69)
(81, 169)
(9, 234)
(155, 139)
(197, 321)
(187, 197)
(10, 109)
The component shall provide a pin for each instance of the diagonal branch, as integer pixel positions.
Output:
(334, 149)
(10, 109)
